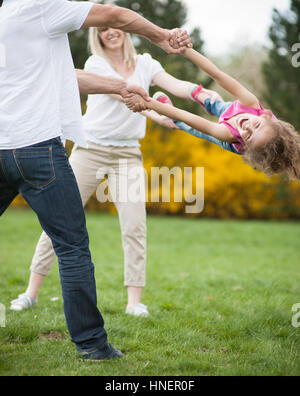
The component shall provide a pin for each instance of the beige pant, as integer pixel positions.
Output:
(123, 169)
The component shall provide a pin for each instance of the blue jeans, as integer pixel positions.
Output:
(216, 109)
(42, 175)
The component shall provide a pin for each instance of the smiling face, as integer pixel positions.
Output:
(255, 131)
(112, 39)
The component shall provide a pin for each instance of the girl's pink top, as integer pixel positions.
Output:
(233, 110)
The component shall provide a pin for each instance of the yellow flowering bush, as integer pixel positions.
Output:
(232, 188)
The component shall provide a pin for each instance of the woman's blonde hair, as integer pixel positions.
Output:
(96, 47)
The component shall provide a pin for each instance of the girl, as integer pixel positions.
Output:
(266, 143)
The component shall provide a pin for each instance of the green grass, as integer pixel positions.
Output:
(220, 295)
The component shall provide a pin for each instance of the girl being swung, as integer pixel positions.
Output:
(266, 143)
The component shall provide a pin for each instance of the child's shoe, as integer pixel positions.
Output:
(162, 98)
(195, 97)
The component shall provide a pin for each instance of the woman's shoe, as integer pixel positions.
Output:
(138, 310)
(23, 302)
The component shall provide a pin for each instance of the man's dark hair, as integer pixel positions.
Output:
(1, 1)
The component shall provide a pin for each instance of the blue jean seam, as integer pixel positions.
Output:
(52, 179)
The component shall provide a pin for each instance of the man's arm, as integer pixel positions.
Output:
(131, 22)
(90, 84)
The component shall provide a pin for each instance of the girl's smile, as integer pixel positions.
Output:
(254, 130)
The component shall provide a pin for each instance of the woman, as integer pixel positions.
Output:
(113, 133)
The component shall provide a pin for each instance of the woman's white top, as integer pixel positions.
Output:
(109, 122)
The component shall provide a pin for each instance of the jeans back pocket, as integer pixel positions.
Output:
(36, 165)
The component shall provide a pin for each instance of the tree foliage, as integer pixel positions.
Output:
(281, 76)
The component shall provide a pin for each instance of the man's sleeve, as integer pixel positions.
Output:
(63, 16)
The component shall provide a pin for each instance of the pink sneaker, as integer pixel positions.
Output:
(162, 98)
(194, 96)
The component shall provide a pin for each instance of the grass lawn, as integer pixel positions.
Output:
(220, 295)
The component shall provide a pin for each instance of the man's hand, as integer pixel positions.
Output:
(180, 39)
(107, 15)
(175, 41)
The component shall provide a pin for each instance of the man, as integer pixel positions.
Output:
(40, 104)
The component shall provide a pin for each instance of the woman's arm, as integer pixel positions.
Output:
(218, 131)
(179, 88)
(231, 85)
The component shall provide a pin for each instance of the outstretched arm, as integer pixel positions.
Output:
(231, 85)
(90, 84)
(131, 22)
(218, 131)
(180, 88)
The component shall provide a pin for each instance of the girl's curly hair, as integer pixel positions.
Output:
(280, 156)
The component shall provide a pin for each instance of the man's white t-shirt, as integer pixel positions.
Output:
(39, 95)
(109, 122)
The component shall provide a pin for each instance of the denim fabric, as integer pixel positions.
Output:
(216, 109)
(42, 175)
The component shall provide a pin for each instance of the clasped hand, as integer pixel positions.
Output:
(136, 99)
